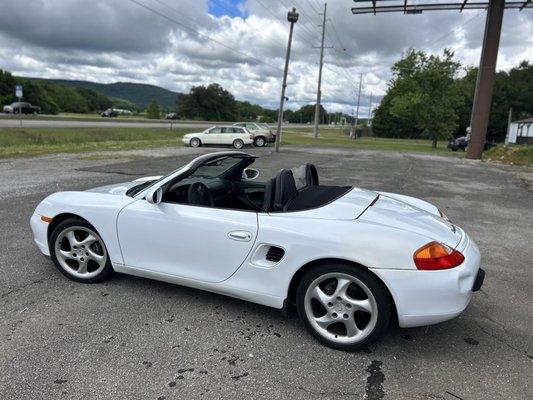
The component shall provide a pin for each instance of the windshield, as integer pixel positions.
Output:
(216, 167)
(265, 126)
(144, 185)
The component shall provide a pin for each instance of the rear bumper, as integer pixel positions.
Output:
(429, 297)
(478, 282)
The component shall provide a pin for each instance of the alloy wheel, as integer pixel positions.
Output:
(340, 308)
(80, 252)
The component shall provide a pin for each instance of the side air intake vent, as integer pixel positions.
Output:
(275, 254)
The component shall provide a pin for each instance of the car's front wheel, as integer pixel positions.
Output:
(238, 144)
(259, 141)
(79, 252)
(195, 142)
(343, 306)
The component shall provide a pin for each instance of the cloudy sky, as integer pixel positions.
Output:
(239, 44)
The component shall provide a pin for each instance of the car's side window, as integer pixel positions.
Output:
(251, 127)
(214, 130)
(238, 130)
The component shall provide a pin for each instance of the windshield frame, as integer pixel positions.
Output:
(189, 169)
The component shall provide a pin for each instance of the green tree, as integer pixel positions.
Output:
(210, 103)
(38, 95)
(153, 111)
(7, 87)
(306, 114)
(426, 93)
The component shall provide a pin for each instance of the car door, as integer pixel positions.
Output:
(201, 243)
(227, 135)
(212, 136)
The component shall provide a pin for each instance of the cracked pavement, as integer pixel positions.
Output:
(135, 338)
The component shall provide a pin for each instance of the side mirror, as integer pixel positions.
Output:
(154, 196)
(250, 174)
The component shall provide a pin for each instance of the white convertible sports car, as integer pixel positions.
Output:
(348, 258)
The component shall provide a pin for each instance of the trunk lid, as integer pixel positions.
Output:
(405, 216)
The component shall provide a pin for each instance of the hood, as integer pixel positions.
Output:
(413, 215)
(122, 188)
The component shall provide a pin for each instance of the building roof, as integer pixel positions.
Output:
(523, 121)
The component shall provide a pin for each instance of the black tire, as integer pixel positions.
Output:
(103, 274)
(238, 144)
(195, 142)
(376, 287)
(454, 148)
(260, 141)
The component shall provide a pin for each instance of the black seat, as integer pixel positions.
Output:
(279, 191)
(268, 198)
(285, 189)
(311, 175)
(199, 195)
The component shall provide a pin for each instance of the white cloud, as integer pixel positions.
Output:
(116, 41)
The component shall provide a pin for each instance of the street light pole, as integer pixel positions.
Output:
(292, 17)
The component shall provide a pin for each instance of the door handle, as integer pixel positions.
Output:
(242, 236)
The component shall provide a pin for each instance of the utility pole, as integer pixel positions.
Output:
(292, 17)
(318, 92)
(358, 102)
(485, 79)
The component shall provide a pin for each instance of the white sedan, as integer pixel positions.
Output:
(235, 136)
(347, 258)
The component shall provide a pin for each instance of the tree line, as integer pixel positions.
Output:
(431, 96)
(214, 103)
(54, 98)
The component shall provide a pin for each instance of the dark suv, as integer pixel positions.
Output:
(24, 108)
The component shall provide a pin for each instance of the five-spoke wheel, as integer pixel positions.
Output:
(79, 252)
(343, 306)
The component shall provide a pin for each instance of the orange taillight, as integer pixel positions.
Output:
(435, 256)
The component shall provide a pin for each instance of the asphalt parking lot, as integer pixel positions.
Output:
(132, 338)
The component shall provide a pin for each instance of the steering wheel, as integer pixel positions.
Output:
(199, 195)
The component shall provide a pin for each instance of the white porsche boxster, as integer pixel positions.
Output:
(348, 258)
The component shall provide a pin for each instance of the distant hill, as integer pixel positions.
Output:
(138, 93)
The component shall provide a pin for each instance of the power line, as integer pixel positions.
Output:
(278, 18)
(203, 34)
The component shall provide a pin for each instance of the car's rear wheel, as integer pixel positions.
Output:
(343, 306)
(259, 141)
(195, 142)
(79, 252)
(238, 144)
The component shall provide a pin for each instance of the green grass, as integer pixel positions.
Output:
(35, 141)
(335, 138)
(510, 154)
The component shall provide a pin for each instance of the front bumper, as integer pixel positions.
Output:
(40, 233)
(429, 297)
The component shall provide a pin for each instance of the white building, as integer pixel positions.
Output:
(520, 132)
